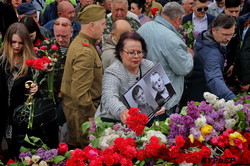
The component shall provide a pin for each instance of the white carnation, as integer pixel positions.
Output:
(35, 158)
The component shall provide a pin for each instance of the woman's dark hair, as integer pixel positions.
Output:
(140, 4)
(32, 26)
(129, 35)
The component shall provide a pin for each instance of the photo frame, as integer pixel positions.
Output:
(151, 92)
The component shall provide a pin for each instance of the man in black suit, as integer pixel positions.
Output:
(199, 16)
(164, 92)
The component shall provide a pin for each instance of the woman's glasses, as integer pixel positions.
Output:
(202, 8)
(133, 53)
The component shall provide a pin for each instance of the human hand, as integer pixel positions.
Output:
(123, 116)
(244, 88)
(33, 88)
(190, 51)
(161, 111)
(230, 71)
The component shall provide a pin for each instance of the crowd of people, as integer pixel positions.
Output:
(102, 48)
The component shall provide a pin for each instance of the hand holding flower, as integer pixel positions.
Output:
(123, 116)
(161, 111)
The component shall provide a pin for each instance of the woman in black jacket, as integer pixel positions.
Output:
(17, 48)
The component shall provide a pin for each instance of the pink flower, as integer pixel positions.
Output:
(54, 47)
(62, 148)
(43, 48)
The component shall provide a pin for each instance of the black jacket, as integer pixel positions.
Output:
(7, 17)
(244, 60)
(16, 97)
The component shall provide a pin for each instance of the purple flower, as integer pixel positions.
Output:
(193, 110)
(219, 125)
(91, 137)
(210, 120)
(188, 121)
(24, 154)
(196, 133)
(92, 126)
(48, 155)
(175, 118)
(116, 127)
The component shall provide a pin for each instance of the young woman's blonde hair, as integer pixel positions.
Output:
(7, 57)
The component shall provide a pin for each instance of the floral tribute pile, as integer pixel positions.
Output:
(212, 132)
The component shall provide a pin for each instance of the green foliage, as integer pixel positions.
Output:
(188, 33)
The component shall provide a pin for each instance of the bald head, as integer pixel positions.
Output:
(63, 31)
(67, 10)
(119, 27)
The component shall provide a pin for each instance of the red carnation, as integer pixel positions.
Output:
(30, 62)
(10, 161)
(46, 59)
(136, 121)
(179, 141)
(38, 64)
(62, 148)
(153, 11)
(54, 47)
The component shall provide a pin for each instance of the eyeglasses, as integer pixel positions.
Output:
(228, 35)
(202, 8)
(133, 53)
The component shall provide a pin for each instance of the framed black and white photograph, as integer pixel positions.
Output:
(151, 92)
(139, 96)
(159, 85)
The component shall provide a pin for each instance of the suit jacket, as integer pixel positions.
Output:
(189, 18)
(160, 100)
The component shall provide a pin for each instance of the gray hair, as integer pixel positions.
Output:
(173, 10)
(119, 1)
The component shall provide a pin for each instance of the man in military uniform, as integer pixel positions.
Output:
(82, 78)
(119, 10)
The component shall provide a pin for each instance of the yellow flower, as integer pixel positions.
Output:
(201, 138)
(235, 135)
(191, 137)
(206, 129)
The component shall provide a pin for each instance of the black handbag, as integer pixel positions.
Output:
(44, 113)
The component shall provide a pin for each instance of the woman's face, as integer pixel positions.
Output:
(33, 36)
(131, 54)
(17, 44)
(15, 3)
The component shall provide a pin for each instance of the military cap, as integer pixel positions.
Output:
(91, 13)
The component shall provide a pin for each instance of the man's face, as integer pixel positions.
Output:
(220, 4)
(188, 6)
(200, 9)
(223, 36)
(140, 98)
(119, 11)
(135, 9)
(86, 2)
(68, 13)
(107, 5)
(98, 28)
(157, 83)
(34, 16)
(62, 34)
(233, 11)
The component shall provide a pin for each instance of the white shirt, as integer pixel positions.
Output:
(200, 25)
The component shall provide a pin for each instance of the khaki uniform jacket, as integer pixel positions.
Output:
(153, 5)
(82, 78)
